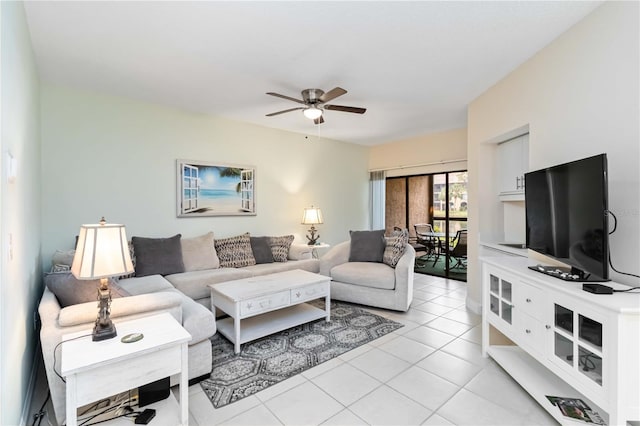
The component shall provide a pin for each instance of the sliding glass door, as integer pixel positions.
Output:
(439, 200)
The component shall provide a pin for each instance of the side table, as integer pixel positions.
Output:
(315, 247)
(95, 370)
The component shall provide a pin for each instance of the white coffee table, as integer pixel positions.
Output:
(264, 305)
(95, 370)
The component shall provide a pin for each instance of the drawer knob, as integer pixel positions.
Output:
(548, 327)
(249, 305)
(298, 294)
(528, 300)
(528, 331)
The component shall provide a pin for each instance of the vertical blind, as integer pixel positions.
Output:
(377, 191)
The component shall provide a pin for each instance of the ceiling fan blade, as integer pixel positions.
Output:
(278, 95)
(332, 94)
(343, 108)
(318, 120)
(282, 112)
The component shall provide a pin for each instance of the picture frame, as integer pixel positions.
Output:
(215, 189)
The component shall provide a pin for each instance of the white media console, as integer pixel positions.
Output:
(555, 339)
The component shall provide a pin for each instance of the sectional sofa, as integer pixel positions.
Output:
(185, 295)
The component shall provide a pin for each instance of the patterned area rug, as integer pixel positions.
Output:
(272, 359)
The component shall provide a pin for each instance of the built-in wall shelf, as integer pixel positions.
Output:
(513, 163)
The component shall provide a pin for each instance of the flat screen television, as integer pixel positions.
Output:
(566, 218)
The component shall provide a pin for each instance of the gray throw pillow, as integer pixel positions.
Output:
(71, 291)
(367, 246)
(161, 256)
(261, 250)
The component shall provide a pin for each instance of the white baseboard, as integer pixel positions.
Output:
(26, 407)
(474, 306)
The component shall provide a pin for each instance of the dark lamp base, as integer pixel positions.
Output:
(103, 332)
(312, 237)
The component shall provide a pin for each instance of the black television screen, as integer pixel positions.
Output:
(566, 217)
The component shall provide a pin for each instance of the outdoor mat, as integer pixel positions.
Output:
(272, 359)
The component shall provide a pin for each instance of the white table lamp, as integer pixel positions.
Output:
(102, 252)
(312, 216)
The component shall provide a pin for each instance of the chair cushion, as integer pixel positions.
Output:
(158, 255)
(367, 246)
(199, 253)
(366, 274)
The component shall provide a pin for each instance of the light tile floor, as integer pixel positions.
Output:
(429, 372)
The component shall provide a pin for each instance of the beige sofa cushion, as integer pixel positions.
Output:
(134, 305)
(311, 265)
(366, 274)
(199, 253)
(194, 284)
(144, 285)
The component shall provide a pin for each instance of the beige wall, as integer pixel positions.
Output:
(20, 273)
(396, 157)
(580, 97)
(111, 156)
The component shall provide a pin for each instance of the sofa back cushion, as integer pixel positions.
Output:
(235, 252)
(261, 250)
(199, 253)
(367, 246)
(71, 291)
(160, 256)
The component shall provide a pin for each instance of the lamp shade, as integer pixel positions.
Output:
(311, 216)
(102, 252)
(312, 112)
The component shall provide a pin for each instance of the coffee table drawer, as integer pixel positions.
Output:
(264, 304)
(309, 292)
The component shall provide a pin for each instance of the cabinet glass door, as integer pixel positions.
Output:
(590, 348)
(578, 342)
(500, 296)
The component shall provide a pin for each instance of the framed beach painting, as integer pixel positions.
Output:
(214, 189)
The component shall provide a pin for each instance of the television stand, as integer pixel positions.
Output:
(560, 341)
(567, 274)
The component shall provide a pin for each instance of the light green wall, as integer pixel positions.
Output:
(20, 280)
(115, 157)
(580, 96)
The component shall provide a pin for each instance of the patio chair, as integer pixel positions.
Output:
(424, 236)
(458, 249)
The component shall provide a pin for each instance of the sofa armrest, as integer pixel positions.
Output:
(337, 255)
(121, 307)
(300, 252)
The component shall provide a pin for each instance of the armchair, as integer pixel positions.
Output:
(370, 283)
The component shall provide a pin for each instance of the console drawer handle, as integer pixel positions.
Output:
(548, 327)
(528, 300)
(528, 331)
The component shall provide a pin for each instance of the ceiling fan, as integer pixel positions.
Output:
(315, 103)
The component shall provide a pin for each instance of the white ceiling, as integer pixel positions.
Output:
(414, 65)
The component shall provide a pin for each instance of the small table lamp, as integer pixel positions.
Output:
(102, 252)
(312, 216)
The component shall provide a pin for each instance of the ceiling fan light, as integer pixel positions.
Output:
(312, 112)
